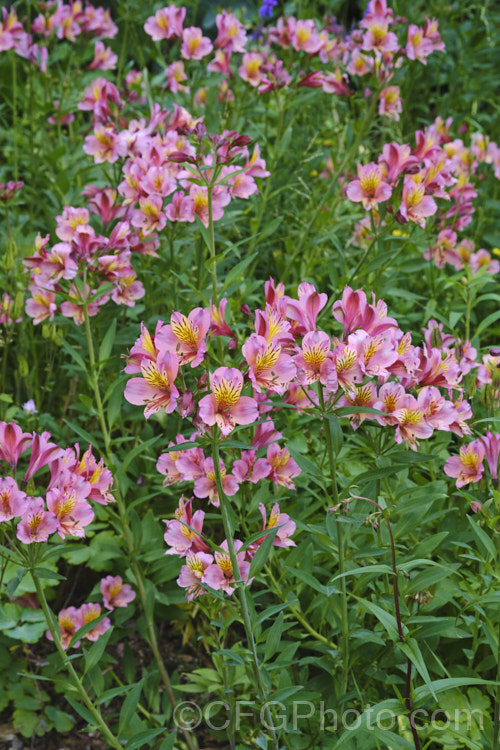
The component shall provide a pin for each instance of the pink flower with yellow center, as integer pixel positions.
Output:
(225, 406)
(192, 573)
(156, 389)
(115, 593)
(70, 620)
(378, 37)
(220, 575)
(206, 486)
(184, 533)
(390, 103)
(419, 47)
(150, 217)
(286, 527)
(411, 424)
(468, 467)
(92, 611)
(41, 305)
(12, 500)
(283, 467)
(36, 524)
(311, 361)
(195, 46)
(186, 336)
(166, 23)
(415, 204)
(269, 366)
(250, 69)
(232, 36)
(370, 189)
(72, 513)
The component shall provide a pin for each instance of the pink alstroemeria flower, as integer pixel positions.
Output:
(89, 612)
(42, 453)
(72, 513)
(70, 620)
(225, 406)
(192, 574)
(13, 442)
(115, 593)
(36, 523)
(166, 23)
(282, 520)
(311, 360)
(206, 486)
(468, 467)
(220, 575)
(283, 467)
(492, 450)
(269, 366)
(41, 305)
(12, 501)
(195, 46)
(184, 532)
(370, 189)
(249, 468)
(415, 204)
(186, 336)
(411, 424)
(156, 388)
(304, 311)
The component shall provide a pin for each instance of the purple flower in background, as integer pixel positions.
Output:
(266, 9)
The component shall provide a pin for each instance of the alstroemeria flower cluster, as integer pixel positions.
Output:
(413, 178)
(372, 50)
(86, 267)
(114, 592)
(59, 500)
(208, 566)
(370, 366)
(58, 20)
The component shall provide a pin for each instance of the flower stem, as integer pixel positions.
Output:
(408, 704)
(344, 641)
(84, 697)
(211, 235)
(245, 613)
(153, 641)
(298, 616)
(496, 719)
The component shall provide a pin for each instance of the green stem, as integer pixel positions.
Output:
(14, 112)
(467, 312)
(224, 503)
(96, 714)
(496, 723)
(298, 616)
(211, 235)
(344, 641)
(153, 641)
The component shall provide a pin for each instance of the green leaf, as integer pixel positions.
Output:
(95, 652)
(483, 539)
(74, 354)
(235, 272)
(411, 649)
(129, 706)
(486, 322)
(82, 711)
(262, 554)
(143, 738)
(107, 342)
(49, 574)
(273, 637)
